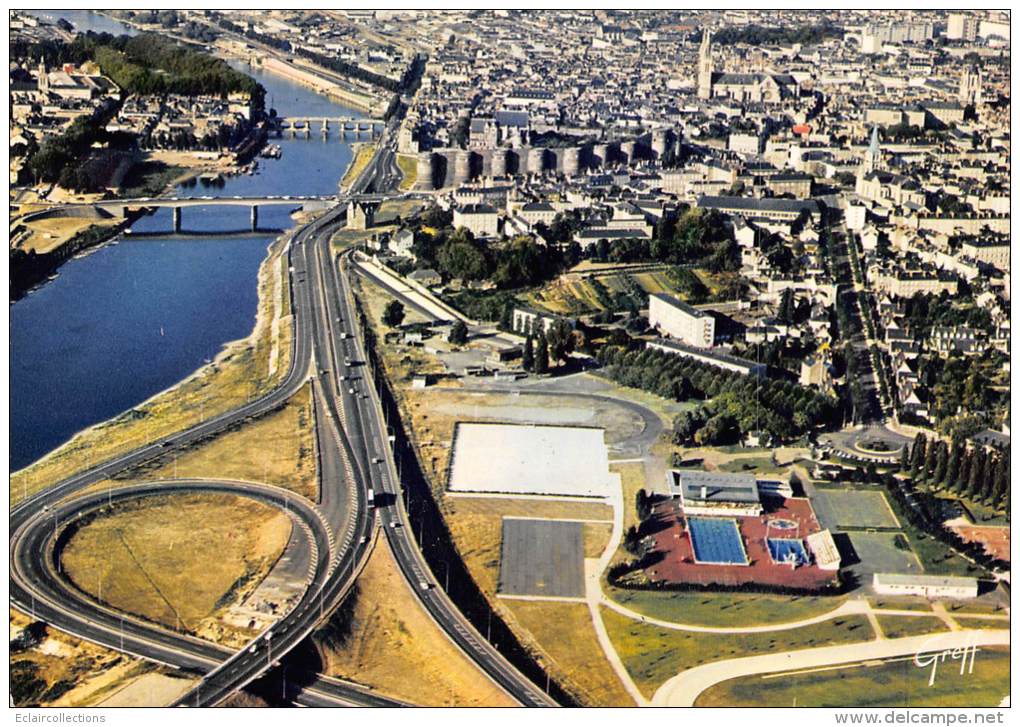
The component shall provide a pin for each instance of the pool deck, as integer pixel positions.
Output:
(679, 565)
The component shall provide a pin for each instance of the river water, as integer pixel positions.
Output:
(126, 321)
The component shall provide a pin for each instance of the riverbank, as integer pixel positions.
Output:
(243, 370)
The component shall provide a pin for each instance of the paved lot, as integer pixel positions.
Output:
(878, 554)
(542, 558)
(838, 510)
(530, 459)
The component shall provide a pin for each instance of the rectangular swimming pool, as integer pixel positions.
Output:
(716, 540)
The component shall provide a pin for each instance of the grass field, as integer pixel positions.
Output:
(892, 603)
(242, 371)
(652, 654)
(409, 168)
(891, 684)
(394, 646)
(982, 623)
(278, 449)
(723, 609)
(896, 627)
(177, 560)
(562, 636)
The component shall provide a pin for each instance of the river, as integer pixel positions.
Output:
(127, 321)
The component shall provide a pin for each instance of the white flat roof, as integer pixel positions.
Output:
(530, 460)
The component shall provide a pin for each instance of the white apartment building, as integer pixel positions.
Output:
(680, 321)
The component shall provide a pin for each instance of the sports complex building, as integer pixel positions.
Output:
(732, 529)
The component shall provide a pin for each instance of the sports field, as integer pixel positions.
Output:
(841, 509)
(878, 553)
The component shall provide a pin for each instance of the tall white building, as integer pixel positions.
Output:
(962, 26)
(681, 321)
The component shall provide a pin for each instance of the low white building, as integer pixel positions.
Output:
(896, 584)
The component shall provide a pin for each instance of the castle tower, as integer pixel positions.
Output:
(705, 65)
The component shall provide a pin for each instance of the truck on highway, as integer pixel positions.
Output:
(371, 497)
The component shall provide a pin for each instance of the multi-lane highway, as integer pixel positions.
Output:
(345, 524)
(354, 456)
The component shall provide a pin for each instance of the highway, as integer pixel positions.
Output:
(346, 524)
(354, 455)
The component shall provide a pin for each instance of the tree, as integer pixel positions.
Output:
(953, 464)
(930, 455)
(528, 359)
(643, 504)
(459, 333)
(393, 314)
(977, 473)
(917, 455)
(560, 337)
(541, 355)
(631, 540)
(941, 461)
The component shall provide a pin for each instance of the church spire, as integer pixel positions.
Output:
(705, 65)
(874, 155)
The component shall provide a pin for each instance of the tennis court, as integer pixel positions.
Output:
(787, 551)
(716, 540)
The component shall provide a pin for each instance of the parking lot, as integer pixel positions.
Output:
(542, 558)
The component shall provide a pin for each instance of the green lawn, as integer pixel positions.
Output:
(891, 684)
(750, 464)
(896, 627)
(652, 654)
(982, 623)
(723, 609)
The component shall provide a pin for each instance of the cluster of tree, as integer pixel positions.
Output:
(927, 310)
(758, 35)
(735, 404)
(695, 236)
(973, 472)
(456, 254)
(923, 512)
(226, 136)
(393, 313)
(543, 347)
(149, 63)
(60, 158)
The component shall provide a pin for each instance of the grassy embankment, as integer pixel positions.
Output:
(896, 683)
(362, 156)
(278, 449)
(652, 654)
(179, 561)
(409, 169)
(383, 638)
(723, 609)
(243, 370)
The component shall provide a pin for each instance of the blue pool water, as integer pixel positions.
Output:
(716, 541)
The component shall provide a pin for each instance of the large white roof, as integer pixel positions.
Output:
(530, 459)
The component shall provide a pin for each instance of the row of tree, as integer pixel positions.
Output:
(735, 404)
(973, 472)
